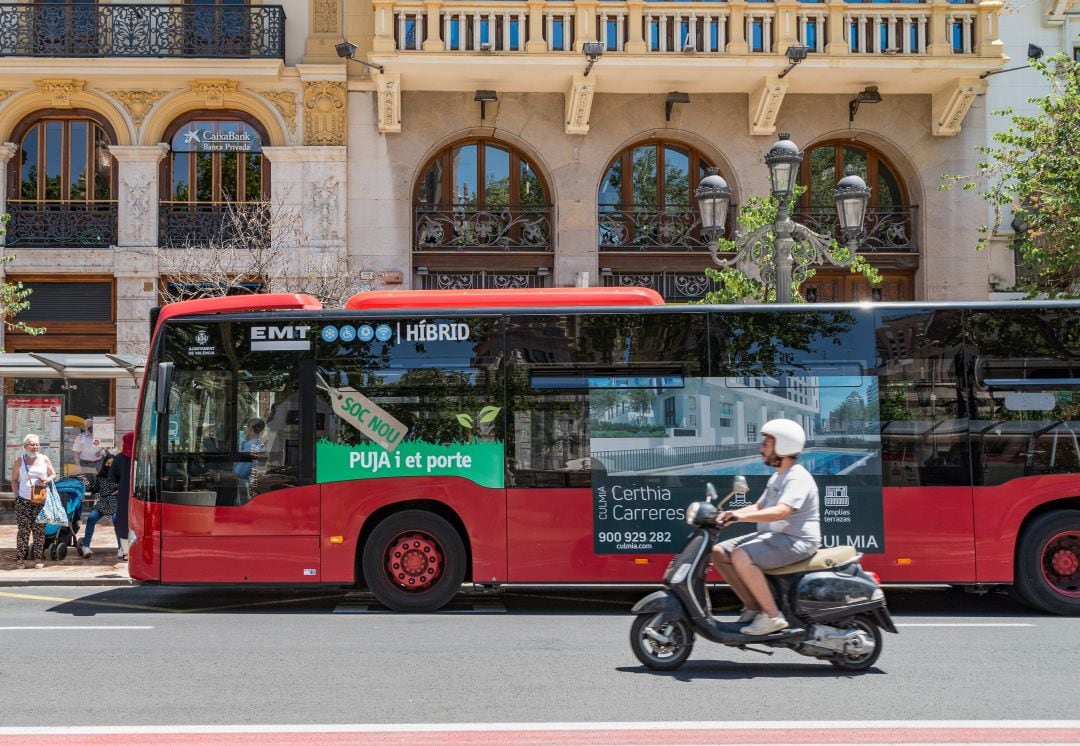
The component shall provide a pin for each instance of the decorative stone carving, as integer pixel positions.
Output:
(389, 92)
(139, 103)
(324, 113)
(60, 90)
(325, 17)
(213, 91)
(325, 200)
(579, 105)
(951, 105)
(138, 205)
(765, 106)
(285, 101)
(5, 94)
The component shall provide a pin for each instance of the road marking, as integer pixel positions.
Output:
(82, 627)
(105, 604)
(164, 609)
(534, 734)
(967, 624)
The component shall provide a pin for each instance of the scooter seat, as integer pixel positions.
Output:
(823, 559)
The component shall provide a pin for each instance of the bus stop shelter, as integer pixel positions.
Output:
(45, 414)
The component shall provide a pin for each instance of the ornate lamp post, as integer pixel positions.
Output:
(714, 198)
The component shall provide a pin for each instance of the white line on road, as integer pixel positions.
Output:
(75, 627)
(968, 624)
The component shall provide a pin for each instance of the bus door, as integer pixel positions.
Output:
(236, 504)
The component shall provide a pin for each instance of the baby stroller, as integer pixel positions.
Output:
(58, 538)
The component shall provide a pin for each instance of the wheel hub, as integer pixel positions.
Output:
(1061, 561)
(414, 561)
(1065, 562)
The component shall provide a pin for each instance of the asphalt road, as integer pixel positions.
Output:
(151, 656)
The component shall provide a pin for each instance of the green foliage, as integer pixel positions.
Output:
(736, 286)
(1033, 169)
(14, 298)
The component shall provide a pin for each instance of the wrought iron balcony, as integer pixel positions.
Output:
(887, 229)
(675, 287)
(481, 280)
(60, 224)
(464, 228)
(118, 30)
(646, 228)
(213, 224)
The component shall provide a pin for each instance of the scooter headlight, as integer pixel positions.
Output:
(691, 513)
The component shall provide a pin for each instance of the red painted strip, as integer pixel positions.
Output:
(628, 737)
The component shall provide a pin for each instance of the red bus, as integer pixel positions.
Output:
(416, 440)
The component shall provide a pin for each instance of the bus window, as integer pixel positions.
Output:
(425, 400)
(923, 410)
(227, 411)
(1027, 392)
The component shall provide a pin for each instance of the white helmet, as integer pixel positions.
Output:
(789, 436)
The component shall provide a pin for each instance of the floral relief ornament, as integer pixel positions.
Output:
(138, 205)
(285, 101)
(324, 113)
(139, 103)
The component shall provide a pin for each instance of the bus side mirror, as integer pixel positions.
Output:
(164, 386)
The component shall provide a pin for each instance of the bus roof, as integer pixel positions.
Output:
(239, 304)
(510, 298)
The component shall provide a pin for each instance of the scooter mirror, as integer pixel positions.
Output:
(739, 484)
(710, 492)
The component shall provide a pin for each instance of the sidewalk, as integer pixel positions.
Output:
(101, 569)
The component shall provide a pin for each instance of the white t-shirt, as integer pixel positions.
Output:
(795, 488)
(85, 450)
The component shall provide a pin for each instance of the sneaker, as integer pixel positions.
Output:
(39, 565)
(20, 565)
(84, 551)
(120, 556)
(746, 616)
(764, 624)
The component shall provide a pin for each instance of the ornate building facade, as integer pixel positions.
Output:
(510, 144)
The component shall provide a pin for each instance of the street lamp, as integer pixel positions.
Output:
(714, 198)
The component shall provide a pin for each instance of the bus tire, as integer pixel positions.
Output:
(414, 561)
(1048, 562)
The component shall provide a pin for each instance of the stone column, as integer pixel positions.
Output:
(7, 152)
(308, 192)
(135, 264)
(137, 201)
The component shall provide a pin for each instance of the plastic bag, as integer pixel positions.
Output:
(53, 512)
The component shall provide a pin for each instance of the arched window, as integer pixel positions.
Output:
(216, 159)
(889, 215)
(477, 197)
(646, 198)
(215, 166)
(646, 204)
(63, 182)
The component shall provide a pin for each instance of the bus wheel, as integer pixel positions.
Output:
(414, 561)
(1048, 562)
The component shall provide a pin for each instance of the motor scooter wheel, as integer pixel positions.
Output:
(656, 654)
(860, 661)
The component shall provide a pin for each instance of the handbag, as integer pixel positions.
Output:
(106, 502)
(37, 494)
(53, 512)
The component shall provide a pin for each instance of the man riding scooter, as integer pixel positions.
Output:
(788, 529)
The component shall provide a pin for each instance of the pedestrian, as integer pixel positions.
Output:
(120, 472)
(105, 503)
(31, 470)
(88, 455)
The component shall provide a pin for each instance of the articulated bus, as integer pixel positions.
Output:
(418, 440)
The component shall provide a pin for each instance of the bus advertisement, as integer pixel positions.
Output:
(417, 440)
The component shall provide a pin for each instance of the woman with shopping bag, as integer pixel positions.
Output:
(30, 476)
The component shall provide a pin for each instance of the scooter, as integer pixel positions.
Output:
(835, 608)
